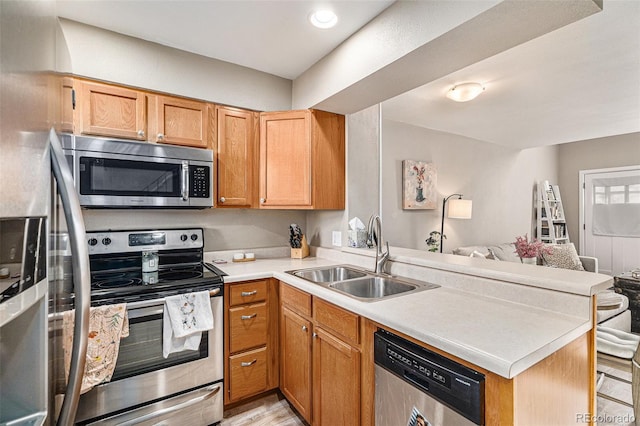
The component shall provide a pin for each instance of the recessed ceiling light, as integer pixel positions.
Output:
(323, 19)
(465, 92)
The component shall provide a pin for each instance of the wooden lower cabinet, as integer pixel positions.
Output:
(319, 372)
(336, 385)
(295, 361)
(251, 339)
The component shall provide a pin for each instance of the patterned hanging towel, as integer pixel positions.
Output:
(107, 325)
(186, 316)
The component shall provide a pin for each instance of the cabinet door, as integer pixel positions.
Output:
(68, 104)
(285, 159)
(336, 381)
(181, 122)
(237, 151)
(295, 361)
(112, 111)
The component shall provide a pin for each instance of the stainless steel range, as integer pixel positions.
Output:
(141, 268)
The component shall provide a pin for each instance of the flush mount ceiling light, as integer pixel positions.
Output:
(323, 19)
(465, 92)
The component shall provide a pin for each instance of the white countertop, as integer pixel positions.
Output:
(501, 336)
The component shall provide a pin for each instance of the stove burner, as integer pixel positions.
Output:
(114, 283)
(171, 275)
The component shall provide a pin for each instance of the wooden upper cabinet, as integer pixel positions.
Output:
(68, 104)
(178, 121)
(302, 160)
(237, 140)
(107, 110)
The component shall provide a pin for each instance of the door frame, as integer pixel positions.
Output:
(582, 189)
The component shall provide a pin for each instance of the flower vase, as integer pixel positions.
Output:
(529, 260)
(419, 195)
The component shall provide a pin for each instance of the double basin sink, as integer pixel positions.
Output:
(360, 284)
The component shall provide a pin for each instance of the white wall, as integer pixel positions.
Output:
(499, 180)
(614, 151)
(105, 55)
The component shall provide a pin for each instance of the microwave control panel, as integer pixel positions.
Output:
(200, 181)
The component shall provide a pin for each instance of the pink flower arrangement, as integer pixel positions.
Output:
(529, 249)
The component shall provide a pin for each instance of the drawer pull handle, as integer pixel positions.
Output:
(248, 364)
(246, 317)
(248, 293)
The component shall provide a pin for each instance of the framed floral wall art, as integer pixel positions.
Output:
(419, 185)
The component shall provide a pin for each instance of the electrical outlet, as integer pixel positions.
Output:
(336, 238)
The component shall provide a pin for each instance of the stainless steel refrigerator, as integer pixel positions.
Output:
(32, 229)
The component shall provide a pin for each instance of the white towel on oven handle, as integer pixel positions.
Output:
(186, 316)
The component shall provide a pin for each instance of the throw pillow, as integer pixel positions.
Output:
(562, 256)
(466, 251)
(476, 253)
(505, 252)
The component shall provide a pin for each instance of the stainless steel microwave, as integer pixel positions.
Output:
(116, 173)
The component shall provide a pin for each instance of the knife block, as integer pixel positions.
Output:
(302, 252)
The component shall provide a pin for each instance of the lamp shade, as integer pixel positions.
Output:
(465, 92)
(460, 209)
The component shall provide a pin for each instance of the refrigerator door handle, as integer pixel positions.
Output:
(81, 278)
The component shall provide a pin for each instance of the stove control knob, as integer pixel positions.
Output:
(194, 237)
(106, 241)
(183, 237)
(93, 241)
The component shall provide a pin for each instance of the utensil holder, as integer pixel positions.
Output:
(303, 251)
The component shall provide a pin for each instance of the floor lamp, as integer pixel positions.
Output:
(458, 209)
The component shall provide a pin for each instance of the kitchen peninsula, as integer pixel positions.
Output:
(529, 329)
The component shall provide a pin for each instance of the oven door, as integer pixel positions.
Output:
(143, 375)
(116, 180)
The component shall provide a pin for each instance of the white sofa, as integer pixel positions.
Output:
(618, 317)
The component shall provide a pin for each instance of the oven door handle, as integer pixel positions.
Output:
(156, 306)
(211, 392)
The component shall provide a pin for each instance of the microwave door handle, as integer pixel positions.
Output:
(185, 180)
(81, 278)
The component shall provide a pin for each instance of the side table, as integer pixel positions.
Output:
(630, 286)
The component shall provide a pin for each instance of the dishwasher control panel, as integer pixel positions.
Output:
(454, 385)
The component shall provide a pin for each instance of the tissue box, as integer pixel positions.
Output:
(357, 238)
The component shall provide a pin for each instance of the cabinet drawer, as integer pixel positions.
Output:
(343, 323)
(248, 372)
(298, 300)
(255, 291)
(247, 327)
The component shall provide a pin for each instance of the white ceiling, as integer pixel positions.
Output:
(270, 36)
(579, 82)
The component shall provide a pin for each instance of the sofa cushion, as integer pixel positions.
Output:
(562, 256)
(505, 252)
(467, 251)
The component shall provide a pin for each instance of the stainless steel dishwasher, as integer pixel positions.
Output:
(417, 387)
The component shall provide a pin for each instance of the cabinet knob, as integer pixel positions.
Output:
(141, 133)
(160, 136)
(262, 200)
(222, 199)
(315, 335)
(304, 328)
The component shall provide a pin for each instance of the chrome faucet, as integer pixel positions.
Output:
(374, 237)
